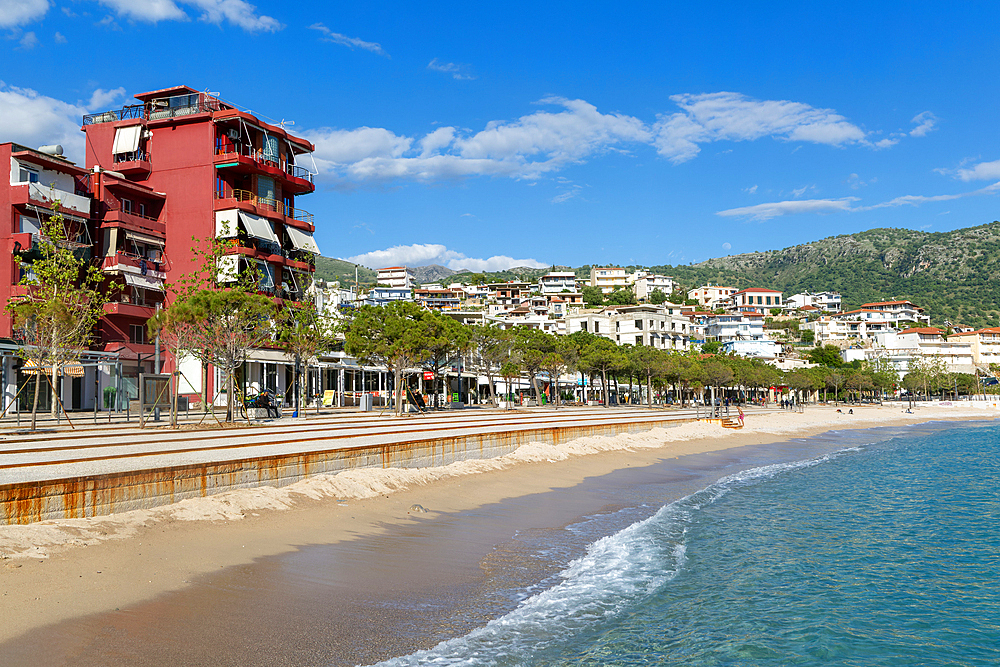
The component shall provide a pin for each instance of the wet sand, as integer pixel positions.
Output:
(348, 580)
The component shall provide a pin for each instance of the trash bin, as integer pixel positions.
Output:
(367, 402)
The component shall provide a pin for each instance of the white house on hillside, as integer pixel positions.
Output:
(395, 276)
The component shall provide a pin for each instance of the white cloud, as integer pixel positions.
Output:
(436, 141)
(60, 38)
(566, 195)
(456, 71)
(751, 190)
(349, 42)
(734, 117)
(19, 12)
(35, 120)
(886, 143)
(526, 148)
(422, 254)
(29, 41)
(798, 192)
(916, 200)
(776, 209)
(151, 11)
(104, 98)
(237, 12)
(984, 171)
(925, 122)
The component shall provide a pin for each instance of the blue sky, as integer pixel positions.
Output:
(483, 135)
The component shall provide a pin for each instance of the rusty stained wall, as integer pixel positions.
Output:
(101, 495)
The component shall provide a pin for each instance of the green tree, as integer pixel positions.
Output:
(390, 336)
(444, 340)
(647, 362)
(491, 347)
(621, 297)
(828, 355)
(303, 332)
(711, 347)
(604, 357)
(56, 312)
(657, 296)
(592, 296)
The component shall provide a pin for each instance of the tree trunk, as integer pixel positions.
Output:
(399, 392)
(604, 386)
(34, 405)
(649, 389)
(55, 403)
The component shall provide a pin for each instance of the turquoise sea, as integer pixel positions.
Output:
(885, 551)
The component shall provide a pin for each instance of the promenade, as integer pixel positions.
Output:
(91, 470)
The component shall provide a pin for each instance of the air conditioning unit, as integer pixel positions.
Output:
(233, 134)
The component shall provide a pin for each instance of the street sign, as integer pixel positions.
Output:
(428, 375)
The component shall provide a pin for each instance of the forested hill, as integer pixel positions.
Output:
(955, 275)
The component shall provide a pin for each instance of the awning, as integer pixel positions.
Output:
(227, 224)
(145, 282)
(258, 227)
(127, 139)
(302, 240)
(47, 211)
(148, 239)
(72, 370)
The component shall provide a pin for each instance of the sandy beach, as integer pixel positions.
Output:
(54, 571)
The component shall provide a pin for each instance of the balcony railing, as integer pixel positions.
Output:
(125, 113)
(266, 203)
(259, 156)
(133, 156)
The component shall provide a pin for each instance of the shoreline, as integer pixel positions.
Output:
(58, 570)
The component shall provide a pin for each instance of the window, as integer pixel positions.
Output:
(137, 333)
(583, 325)
(638, 325)
(768, 300)
(759, 300)
(26, 225)
(127, 205)
(597, 327)
(142, 209)
(638, 340)
(28, 175)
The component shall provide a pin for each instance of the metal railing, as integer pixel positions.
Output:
(132, 156)
(258, 155)
(266, 203)
(134, 111)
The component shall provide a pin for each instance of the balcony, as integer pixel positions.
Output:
(294, 179)
(116, 217)
(126, 309)
(266, 205)
(122, 262)
(135, 163)
(44, 196)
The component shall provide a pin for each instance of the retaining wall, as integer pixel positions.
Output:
(99, 495)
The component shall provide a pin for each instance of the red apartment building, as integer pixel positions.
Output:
(163, 176)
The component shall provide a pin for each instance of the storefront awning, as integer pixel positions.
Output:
(302, 240)
(258, 227)
(145, 282)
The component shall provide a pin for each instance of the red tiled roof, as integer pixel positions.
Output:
(891, 303)
(759, 289)
(922, 330)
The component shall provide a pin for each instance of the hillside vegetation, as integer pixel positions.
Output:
(954, 275)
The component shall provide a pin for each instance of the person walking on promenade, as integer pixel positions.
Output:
(741, 416)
